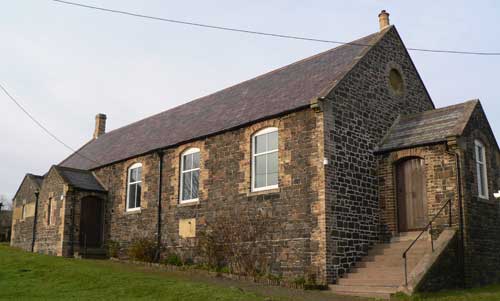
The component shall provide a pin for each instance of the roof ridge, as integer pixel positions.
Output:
(352, 43)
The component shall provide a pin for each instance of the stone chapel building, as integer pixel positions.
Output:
(344, 151)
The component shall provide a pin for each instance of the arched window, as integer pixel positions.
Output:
(481, 169)
(134, 184)
(265, 159)
(190, 175)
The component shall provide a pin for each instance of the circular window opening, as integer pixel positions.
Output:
(396, 81)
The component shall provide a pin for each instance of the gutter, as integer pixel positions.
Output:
(35, 221)
(160, 181)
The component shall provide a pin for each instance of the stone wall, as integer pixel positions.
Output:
(295, 211)
(22, 228)
(358, 113)
(446, 272)
(49, 236)
(121, 225)
(482, 229)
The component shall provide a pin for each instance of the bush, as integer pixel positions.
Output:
(143, 249)
(173, 259)
(113, 248)
(237, 242)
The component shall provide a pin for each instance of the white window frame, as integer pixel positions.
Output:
(481, 177)
(189, 151)
(129, 171)
(259, 133)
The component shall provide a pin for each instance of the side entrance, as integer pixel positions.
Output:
(91, 223)
(411, 194)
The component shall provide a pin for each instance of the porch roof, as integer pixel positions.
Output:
(427, 127)
(82, 179)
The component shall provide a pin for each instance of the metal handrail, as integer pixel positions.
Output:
(428, 226)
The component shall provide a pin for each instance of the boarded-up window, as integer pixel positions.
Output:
(187, 227)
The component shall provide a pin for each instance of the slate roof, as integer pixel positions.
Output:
(77, 178)
(283, 90)
(37, 179)
(427, 127)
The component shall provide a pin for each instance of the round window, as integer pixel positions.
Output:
(396, 81)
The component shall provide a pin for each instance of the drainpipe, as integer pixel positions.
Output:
(456, 154)
(35, 220)
(160, 181)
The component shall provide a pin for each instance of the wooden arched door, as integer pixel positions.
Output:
(411, 194)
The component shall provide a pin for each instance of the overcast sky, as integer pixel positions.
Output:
(65, 64)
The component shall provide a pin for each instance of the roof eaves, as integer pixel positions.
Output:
(410, 145)
(305, 107)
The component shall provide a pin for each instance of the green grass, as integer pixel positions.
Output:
(487, 293)
(31, 276)
(25, 276)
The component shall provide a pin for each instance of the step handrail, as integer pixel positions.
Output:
(427, 227)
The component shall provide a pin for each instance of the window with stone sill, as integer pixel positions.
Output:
(134, 187)
(189, 176)
(481, 169)
(265, 159)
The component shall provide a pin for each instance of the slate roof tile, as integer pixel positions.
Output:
(427, 127)
(283, 90)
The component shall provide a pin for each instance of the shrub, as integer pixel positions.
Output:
(237, 242)
(173, 259)
(113, 248)
(143, 249)
(299, 281)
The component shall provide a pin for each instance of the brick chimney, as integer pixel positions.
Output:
(383, 19)
(100, 125)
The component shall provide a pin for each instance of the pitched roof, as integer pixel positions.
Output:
(82, 179)
(283, 90)
(427, 127)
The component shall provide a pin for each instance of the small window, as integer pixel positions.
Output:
(134, 184)
(49, 212)
(23, 212)
(482, 178)
(190, 175)
(265, 159)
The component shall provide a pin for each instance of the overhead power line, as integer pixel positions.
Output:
(269, 34)
(39, 124)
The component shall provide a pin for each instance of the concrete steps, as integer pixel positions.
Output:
(381, 271)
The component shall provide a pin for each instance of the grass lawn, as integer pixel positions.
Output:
(30, 276)
(487, 293)
(25, 275)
